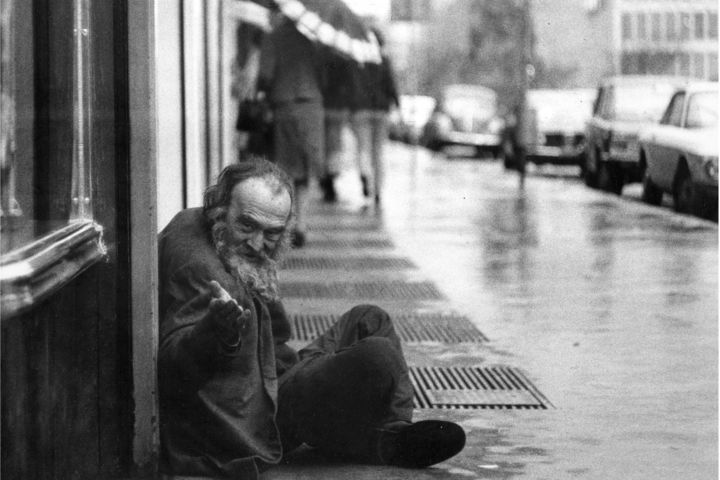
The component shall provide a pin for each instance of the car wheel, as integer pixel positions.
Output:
(685, 195)
(651, 193)
(589, 174)
(609, 178)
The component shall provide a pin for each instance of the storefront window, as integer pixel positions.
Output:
(46, 221)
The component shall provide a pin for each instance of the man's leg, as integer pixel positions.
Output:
(351, 395)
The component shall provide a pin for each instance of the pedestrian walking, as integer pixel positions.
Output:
(290, 74)
(339, 85)
(377, 94)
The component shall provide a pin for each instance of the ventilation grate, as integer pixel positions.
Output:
(411, 328)
(346, 263)
(397, 290)
(353, 243)
(495, 387)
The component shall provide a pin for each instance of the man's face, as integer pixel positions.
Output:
(257, 217)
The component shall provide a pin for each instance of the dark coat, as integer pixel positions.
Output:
(217, 406)
(376, 86)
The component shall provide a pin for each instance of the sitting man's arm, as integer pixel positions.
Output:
(201, 329)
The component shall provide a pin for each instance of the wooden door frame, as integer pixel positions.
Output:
(143, 224)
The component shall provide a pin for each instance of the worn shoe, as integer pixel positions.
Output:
(365, 186)
(421, 444)
(298, 239)
(327, 185)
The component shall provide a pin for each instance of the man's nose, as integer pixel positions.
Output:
(256, 241)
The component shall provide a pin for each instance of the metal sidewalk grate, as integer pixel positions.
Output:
(352, 243)
(424, 327)
(321, 227)
(393, 290)
(494, 387)
(346, 263)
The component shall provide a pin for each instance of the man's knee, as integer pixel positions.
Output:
(369, 313)
(379, 357)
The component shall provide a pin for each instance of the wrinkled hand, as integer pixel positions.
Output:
(230, 319)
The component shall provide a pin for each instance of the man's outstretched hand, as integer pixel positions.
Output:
(229, 319)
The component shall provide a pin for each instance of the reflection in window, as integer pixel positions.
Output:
(45, 147)
(9, 206)
(82, 114)
(703, 110)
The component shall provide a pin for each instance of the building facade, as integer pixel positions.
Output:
(673, 37)
(577, 43)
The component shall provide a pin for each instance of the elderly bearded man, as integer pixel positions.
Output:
(233, 396)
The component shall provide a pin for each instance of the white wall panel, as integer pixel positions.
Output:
(168, 89)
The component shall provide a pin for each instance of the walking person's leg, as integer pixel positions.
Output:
(362, 127)
(379, 136)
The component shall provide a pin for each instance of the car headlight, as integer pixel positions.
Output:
(495, 125)
(711, 167)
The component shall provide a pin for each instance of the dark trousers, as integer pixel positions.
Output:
(350, 383)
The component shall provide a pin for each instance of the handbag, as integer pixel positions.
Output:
(253, 114)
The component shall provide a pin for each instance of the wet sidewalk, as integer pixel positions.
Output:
(572, 334)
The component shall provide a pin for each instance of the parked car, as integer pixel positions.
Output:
(406, 123)
(680, 154)
(465, 115)
(623, 107)
(558, 123)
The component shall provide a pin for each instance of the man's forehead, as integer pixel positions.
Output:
(260, 193)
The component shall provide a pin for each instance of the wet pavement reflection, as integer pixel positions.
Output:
(609, 305)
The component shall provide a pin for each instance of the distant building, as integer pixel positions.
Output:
(678, 37)
(578, 42)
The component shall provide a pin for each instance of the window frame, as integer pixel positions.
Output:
(33, 271)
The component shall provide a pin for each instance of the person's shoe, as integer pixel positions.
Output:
(365, 188)
(327, 185)
(298, 239)
(421, 444)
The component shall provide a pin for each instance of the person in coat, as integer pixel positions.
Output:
(234, 397)
(290, 75)
(376, 94)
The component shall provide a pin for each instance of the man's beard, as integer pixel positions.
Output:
(258, 273)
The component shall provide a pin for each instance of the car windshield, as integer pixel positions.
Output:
(470, 106)
(703, 110)
(561, 109)
(641, 103)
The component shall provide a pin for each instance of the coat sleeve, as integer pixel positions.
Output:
(285, 356)
(190, 349)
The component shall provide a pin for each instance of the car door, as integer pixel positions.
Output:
(664, 157)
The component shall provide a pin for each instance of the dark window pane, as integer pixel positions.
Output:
(656, 21)
(712, 25)
(699, 25)
(684, 26)
(641, 27)
(685, 64)
(713, 67)
(626, 26)
(670, 33)
(699, 65)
